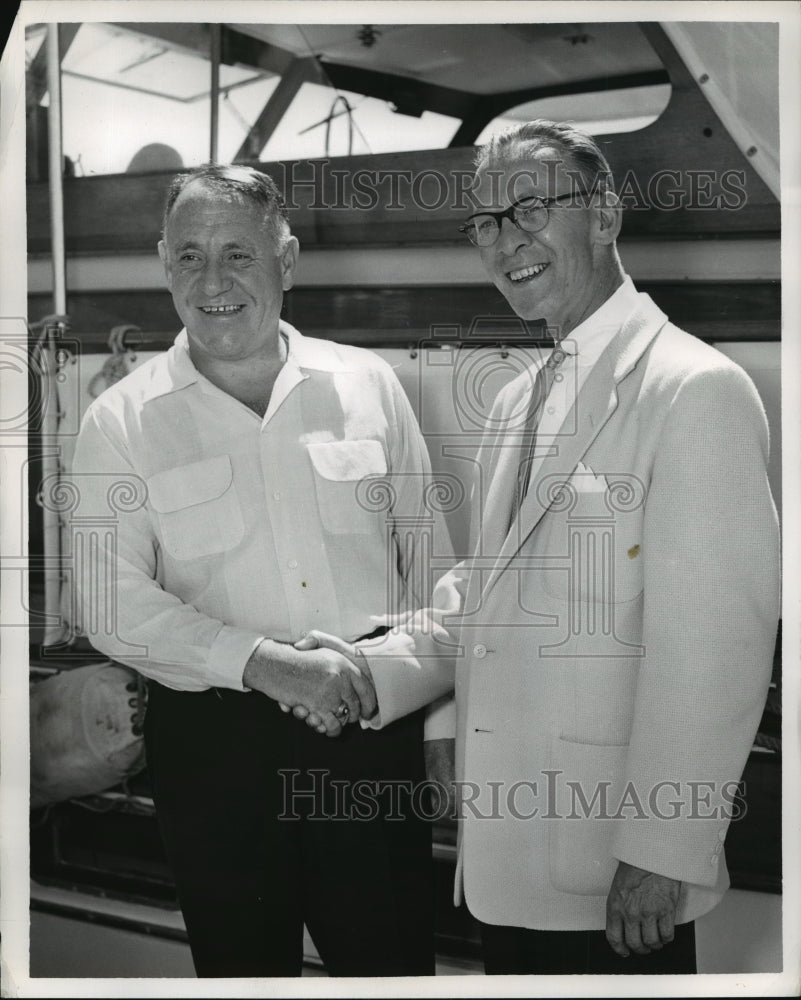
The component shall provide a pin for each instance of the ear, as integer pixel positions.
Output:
(609, 218)
(166, 262)
(289, 261)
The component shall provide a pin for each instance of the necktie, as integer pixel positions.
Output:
(542, 386)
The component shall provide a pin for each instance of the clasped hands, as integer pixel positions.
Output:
(321, 679)
(332, 684)
(354, 695)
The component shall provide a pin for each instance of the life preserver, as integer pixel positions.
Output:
(86, 731)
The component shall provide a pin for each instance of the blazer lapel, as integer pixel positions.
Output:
(594, 405)
(498, 504)
(498, 461)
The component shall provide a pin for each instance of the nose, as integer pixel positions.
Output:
(215, 278)
(511, 237)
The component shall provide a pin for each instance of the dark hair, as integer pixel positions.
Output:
(576, 146)
(243, 183)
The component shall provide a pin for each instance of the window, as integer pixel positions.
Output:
(599, 112)
(134, 101)
(375, 127)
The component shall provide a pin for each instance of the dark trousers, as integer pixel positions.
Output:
(518, 951)
(269, 825)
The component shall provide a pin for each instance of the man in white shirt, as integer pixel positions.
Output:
(243, 489)
(619, 610)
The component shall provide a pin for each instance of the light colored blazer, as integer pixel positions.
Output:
(617, 642)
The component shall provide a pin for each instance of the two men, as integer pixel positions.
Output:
(617, 615)
(219, 523)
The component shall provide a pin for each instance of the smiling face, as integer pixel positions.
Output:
(227, 281)
(567, 270)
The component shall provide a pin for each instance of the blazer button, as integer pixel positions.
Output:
(479, 650)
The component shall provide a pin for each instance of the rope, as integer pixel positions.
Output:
(115, 366)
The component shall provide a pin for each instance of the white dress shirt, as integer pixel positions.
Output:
(583, 346)
(202, 528)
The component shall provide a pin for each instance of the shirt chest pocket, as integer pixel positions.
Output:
(197, 508)
(339, 467)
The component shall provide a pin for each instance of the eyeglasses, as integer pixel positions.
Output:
(528, 214)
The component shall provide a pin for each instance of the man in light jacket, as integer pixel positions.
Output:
(619, 611)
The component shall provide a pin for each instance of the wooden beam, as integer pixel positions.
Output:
(400, 90)
(244, 50)
(189, 37)
(122, 212)
(300, 71)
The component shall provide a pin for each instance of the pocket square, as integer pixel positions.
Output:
(584, 480)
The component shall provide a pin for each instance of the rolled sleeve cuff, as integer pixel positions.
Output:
(228, 656)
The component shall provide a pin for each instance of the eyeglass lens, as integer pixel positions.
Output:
(484, 230)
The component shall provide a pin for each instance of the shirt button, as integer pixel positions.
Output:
(479, 650)
(276, 495)
(551, 410)
(293, 564)
(721, 835)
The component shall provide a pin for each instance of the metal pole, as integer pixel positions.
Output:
(56, 160)
(215, 91)
(51, 527)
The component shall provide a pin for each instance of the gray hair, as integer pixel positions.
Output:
(242, 183)
(579, 149)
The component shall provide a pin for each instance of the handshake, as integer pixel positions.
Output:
(323, 680)
(326, 681)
